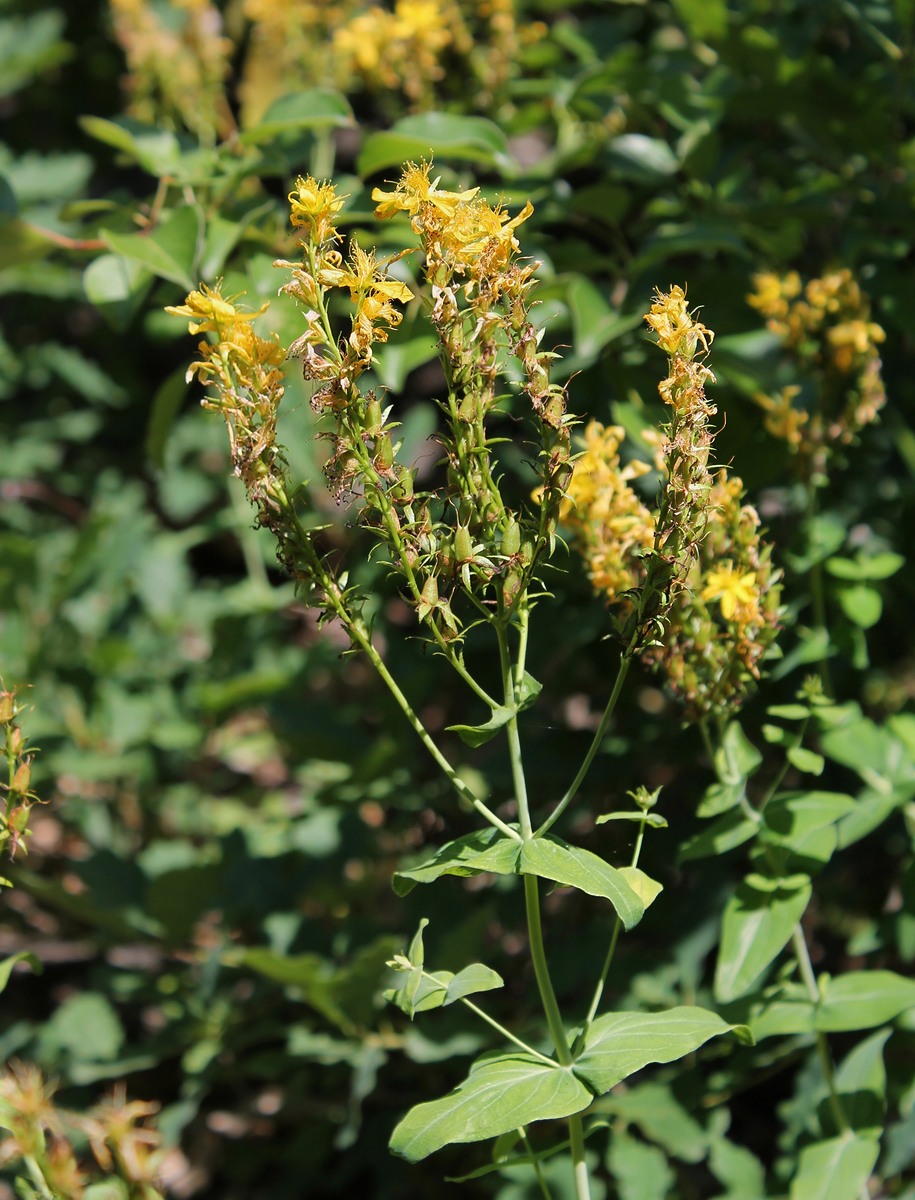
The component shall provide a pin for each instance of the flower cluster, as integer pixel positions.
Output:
(177, 63)
(695, 584)
(405, 52)
(18, 797)
(611, 526)
(123, 1143)
(481, 312)
(725, 621)
(245, 371)
(826, 326)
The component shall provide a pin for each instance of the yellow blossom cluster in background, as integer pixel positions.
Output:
(826, 326)
(177, 68)
(180, 54)
(715, 586)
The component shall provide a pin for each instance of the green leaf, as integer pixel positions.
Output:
(825, 534)
(736, 759)
(863, 1000)
(861, 1084)
(484, 850)
(476, 735)
(789, 1011)
(878, 754)
(789, 712)
(500, 1093)
(619, 1044)
(30, 45)
(798, 821)
(117, 286)
(641, 1171)
(660, 1117)
(703, 18)
(757, 923)
(837, 1169)
(7, 964)
(472, 979)
(646, 888)
(861, 604)
(158, 151)
(166, 404)
(444, 136)
(740, 1171)
(317, 108)
(728, 832)
(595, 324)
(553, 859)
(641, 158)
(86, 1029)
(654, 820)
(863, 570)
(805, 760)
(169, 251)
(21, 243)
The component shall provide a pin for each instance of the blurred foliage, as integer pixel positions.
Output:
(208, 890)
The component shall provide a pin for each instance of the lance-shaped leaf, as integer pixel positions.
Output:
(619, 1044)
(837, 1169)
(525, 695)
(863, 1000)
(485, 850)
(758, 921)
(500, 1093)
(553, 859)
(423, 991)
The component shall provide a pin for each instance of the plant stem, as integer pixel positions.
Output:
(535, 1162)
(563, 804)
(514, 738)
(801, 954)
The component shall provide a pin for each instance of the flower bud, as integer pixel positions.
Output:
(463, 546)
(511, 537)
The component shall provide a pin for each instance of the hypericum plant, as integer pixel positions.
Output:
(472, 565)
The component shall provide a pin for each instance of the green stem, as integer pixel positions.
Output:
(38, 1178)
(567, 799)
(801, 954)
(817, 594)
(535, 1163)
(514, 737)
(323, 154)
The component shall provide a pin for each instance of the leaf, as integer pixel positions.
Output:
(736, 759)
(646, 888)
(641, 158)
(594, 323)
(498, 1095)
(158, 151)
(472, 979)
(861, 604)
(757, 923)
(170, 251)
(619, 1044)
(863, 570)
(728, 832)
(837, 1169)
(861, 1084)
(166, 404)
(117, 286)
(477, 735)
(704, 18)
(552, 859)
(86, 1029)
(444, 136)
(7, 964)
(641, 1171)
(661, 1118)
(21, 243)
(484, 850)
(654, 820)
(316, 108)
(805, 760)
(805, 823)
(863, 1000)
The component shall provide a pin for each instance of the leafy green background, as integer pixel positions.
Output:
(209, 888)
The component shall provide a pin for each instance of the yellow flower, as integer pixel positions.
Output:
(737, 593)
(315, 205)
(208, 312)
(362, 277)
(416, 189)
(678, 332)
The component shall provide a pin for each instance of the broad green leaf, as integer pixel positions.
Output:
(805, 760)
(472, 979)
(553, 859)
(825, 534)
(861, 604)
(117, 286)
(757, 923)
(661, 1118)
(476, 735)
(499, 1094)
(30, 45)
(728, 832)
(704, 18)
(317, 108)
(646, 888)
(641, 1171)
(595, 324)
(863, 570)
(720, 798)
(736, 759)
(787, 1010)
(882, 758)
(871, 810)
(484, 850)
(169, 251)
(861, 1083)
(7, 964)
(642, 158)
(804, 824)
(619, 1044)
(739, 1170)
(85, 1029)
(21, 243)
(158, 151)
(445, 136)
(837, 1169)
(863, 1000)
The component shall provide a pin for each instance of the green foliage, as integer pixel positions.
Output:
(230, 792)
